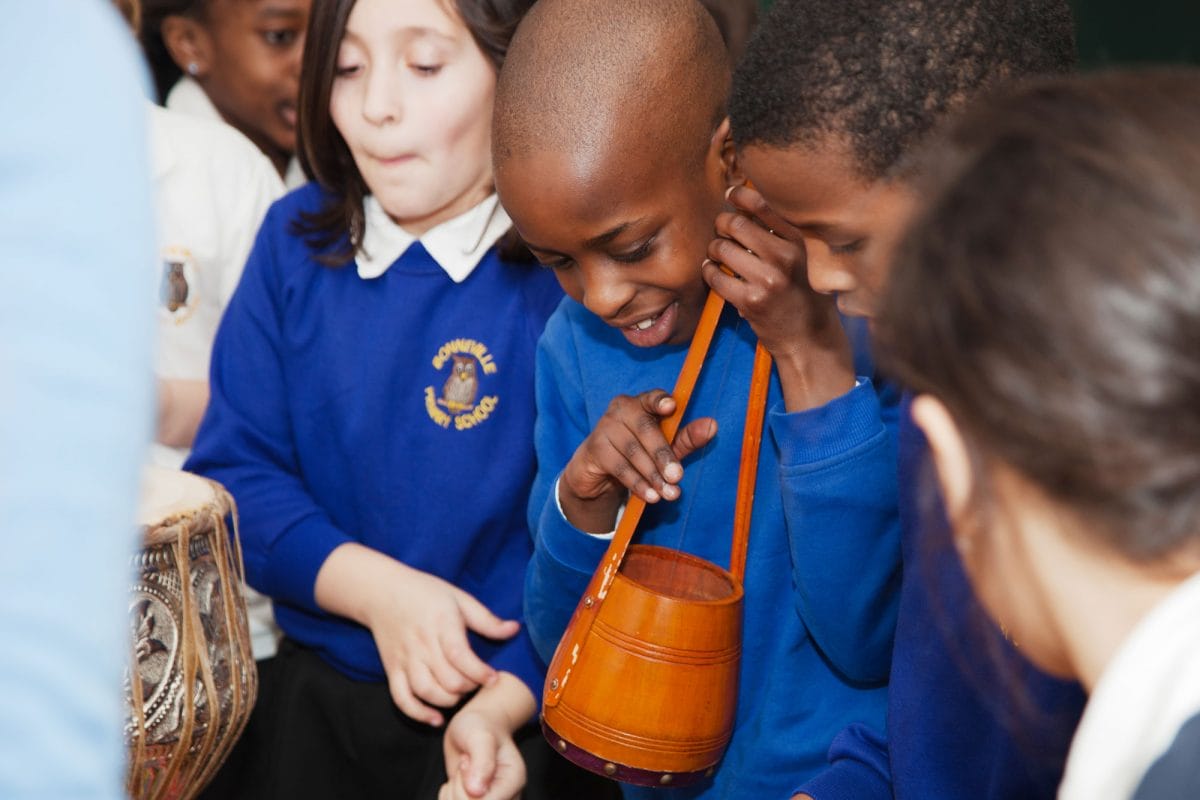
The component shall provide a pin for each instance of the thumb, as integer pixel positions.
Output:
(478, 763)
(693, 436)
(481, 620)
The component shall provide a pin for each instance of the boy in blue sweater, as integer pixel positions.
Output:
(829, 106)
(616, 188)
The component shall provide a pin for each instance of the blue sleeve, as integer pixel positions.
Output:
(246, 438)
(838, 473)
(858, 768)
(564, 557)
(76, 390)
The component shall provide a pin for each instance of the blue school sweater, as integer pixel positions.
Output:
(396, 412)
(823, 559)
(968, 717)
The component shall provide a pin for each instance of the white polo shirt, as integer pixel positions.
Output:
(188, 97)
(1145, 694)
(212, 190)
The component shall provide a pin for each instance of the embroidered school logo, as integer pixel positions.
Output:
(177, 284)
(465, 362)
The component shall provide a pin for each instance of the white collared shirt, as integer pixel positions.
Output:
(188, 97)
(212, 189)
(1149, 689)
(457, 245)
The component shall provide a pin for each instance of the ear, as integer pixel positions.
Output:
(949, 453)
(189, 44)
(721, 153)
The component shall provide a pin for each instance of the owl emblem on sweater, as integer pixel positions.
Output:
(459, 390)
(465, 401)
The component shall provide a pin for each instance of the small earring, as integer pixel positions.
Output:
(193, 68)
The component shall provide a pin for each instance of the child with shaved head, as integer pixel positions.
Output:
(612, 156)
(830, 107)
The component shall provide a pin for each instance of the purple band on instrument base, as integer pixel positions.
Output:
(620, 772)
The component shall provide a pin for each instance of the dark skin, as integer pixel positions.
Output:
(630, 235)
(849, 224)
(247, 58)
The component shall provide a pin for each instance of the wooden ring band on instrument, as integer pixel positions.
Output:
(658, 631)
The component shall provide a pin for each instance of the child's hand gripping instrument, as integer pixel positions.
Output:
(643, 685)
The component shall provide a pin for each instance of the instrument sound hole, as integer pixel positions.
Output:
(676, 574)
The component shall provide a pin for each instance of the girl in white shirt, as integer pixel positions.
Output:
(237, 60)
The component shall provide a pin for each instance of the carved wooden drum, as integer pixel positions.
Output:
(192, 680)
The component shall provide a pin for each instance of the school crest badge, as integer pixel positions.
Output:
(177, 284)
(458, 404)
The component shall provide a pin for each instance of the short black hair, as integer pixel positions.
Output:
(880, 75)
(580, 74)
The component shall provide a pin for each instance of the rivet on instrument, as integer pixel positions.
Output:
(588, 602)
(665, 779)
(554, 685)
(562, 745)
(709, 773)
(610, 768)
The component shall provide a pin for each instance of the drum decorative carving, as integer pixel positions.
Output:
(192, 680)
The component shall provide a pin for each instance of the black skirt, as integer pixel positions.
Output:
(314, 733)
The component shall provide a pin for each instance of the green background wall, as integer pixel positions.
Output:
(1133, 31)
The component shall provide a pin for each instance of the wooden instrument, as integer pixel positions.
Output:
(192, 680)
(643, 685)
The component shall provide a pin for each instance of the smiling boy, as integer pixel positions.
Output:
(612, 156)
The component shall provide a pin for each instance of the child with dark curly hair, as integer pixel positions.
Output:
(831, 104)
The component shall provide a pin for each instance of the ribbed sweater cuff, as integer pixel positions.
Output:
(829, 431)
(847, 780)
(297, 556)
(567, 544)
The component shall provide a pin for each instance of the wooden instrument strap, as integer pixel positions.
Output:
(597, 589)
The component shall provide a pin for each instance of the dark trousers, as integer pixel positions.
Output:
(315, 733)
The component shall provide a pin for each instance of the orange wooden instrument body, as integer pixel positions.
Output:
(643, 685)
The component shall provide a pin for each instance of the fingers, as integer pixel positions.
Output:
(693, 436)
(626, 451)
(770, 267)
(754, 243)
(457, 649)
(639, 455)
(434, 689)
(480, 619)
(407, 702)
(746, 198)
(750, 250)
(439, 668)
(657, 404)
(478, 763)
(505, 773)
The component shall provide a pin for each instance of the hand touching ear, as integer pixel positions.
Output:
(769, 286)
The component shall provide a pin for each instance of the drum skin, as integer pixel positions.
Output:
(651, 695)
(192, 680)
